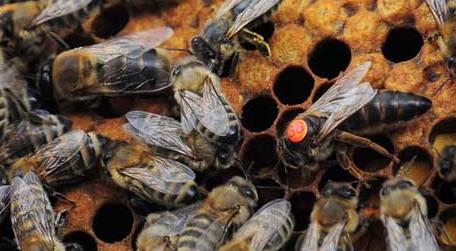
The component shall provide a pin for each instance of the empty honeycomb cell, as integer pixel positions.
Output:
(296, 178)
(416, 164)
(268, 190)
(82, 239)
(259, 155)
(448, 218)
(445, 190)
(78, 39)
(265, 30)
(293, 85)
(432, 205)
(112, 222)
(301, 206)
(329, 58)
(259, 113)
(110, 21)
(369, 160)
(369, 195)
(114, 107)
(337, 174)
(402, 44)
(443, 134)
(285, 118)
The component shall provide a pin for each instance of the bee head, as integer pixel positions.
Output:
(397, 184)
(341, 190)
(245, 188)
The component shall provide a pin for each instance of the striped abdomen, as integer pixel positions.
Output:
(387, 109)
(196, 235)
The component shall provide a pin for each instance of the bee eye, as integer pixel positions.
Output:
(248, 192)
(346, 193)
(385, 191)
(296, 130)
(327, 191)
(176, 71)
(405, 184)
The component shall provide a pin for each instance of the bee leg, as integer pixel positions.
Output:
(73, 247)
(60, 219)
(359, 141)
(58, 40)
(257, 40)
(346, 163)
(58, 195)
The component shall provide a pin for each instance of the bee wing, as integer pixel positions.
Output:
(269, 221)
(440, 11)
(5, 192)
(331, 240)
(311, 238)
(177, 220)
(343, 99)
(396, 237)
(190, 105)
(255, 9)
(157, 131)
(162, 173)
(59, 8)
(31, 204)
(227, 6)
(421, 234)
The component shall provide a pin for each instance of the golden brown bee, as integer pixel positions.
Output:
(162, 230)
(268, 229)
(404, 214)
(348, 106)
(64, 160)
(29, 135)
(218, 47)
(127, 65)
(334, 219)
(153, 178)
(447, 163)
(32, 216)
(226, 206)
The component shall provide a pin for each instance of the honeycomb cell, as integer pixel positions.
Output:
(402, 44)
(329, 58)
(301, 206)
(336, 174)
(268, 190)
(78, 39)
(265, 30)
(296, 178)
(293, 85)
(321, 90)
(212, 178)
(285, 118)
(445, 190)
(82, 239)
(416, 164)
(260, 155)
(432, 205)
(259, 113)
(112, 222)
(371, 161)
(114, 107)
(448, 218)
(443, 134)
(369, 193)
(110, 21)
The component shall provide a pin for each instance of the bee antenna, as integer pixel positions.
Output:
(441, 87)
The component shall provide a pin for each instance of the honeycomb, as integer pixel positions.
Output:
(311, 43)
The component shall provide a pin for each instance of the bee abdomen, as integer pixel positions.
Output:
(387, 109)
(196, 237)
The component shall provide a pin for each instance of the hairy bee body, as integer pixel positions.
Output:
(387, 109)
(64, 160)
(226, 206)
(127, 157)
(447, 163)
(28, 136)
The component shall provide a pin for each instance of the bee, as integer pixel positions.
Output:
(447, 163)
(29, 28)
(5, 193)
(347, 107)
(334, 220)
(404, 214)
(217, 46)
(29, 135)
(64, 160)
(153, 178)
(204, 108)
(126, 65)
(162, 230)
(226, 207)
(268, 229)
(32, 216)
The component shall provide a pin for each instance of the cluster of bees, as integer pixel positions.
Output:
(39, 152)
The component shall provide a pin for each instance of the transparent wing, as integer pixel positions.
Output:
(161, 175)
(5, 192)
(311, 238)
(177, 220)
(190, 105)
(421, 234)
(343, 99)
(59, 8)
(255, 9)
(396, 238)
(227, 6)
(130, 45)
(157, 131)
(331, 240)
(440, 11)
(31, 204)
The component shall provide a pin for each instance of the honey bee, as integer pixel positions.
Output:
(404, 214)
(5, 192)
(64, 160)
(268, 229)
(334, 220)
(204, 108)
(217, 46)
(32, 216)
(162, 230)
(27, 26)
(124, 65)
(447, 163)
(347, 107)
(28, 135)
(227, 206)
(153, 178)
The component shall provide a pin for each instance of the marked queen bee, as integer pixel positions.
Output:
(218, 45)
(404, 214)
(127, 65)
(347, 107)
